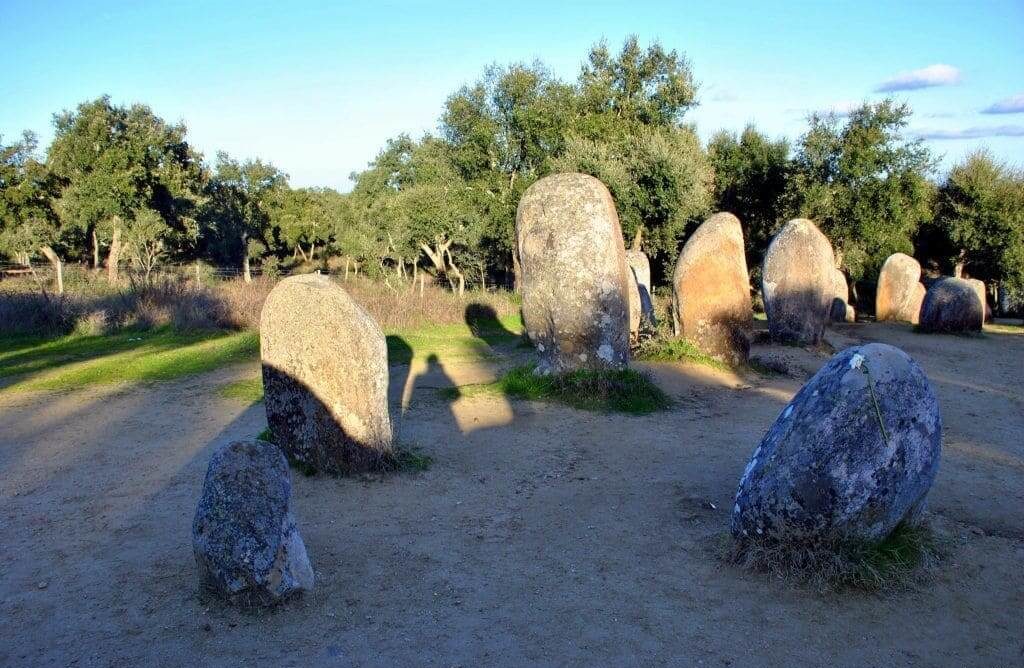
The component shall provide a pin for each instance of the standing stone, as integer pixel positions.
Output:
(951, 305)
(840, 309)
(641, 266)
(575, 277)
(635, 308)
(900, 292)
(796, 282)
(979, 288)
(325, 376)
(851, 457)
(711, 291)
(246, 544)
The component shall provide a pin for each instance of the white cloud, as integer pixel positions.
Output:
(1011, 105)
(973, 133)
(926, 77)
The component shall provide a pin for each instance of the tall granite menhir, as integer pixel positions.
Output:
(900, 293)
(325, 377)
(711, 290)
(797, 283)
(574, 274)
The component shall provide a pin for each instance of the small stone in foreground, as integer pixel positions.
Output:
(850, 458)
(246, 544)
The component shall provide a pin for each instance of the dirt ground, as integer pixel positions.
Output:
(540, 536)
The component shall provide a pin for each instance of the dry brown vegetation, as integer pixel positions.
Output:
(92, 306)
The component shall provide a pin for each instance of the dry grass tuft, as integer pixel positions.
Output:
(908, 556)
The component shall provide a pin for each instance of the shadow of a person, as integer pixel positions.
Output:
(484, 323)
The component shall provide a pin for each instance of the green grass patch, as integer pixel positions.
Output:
(476, 341)
(76, 361)
(621, 391)
(1003, 328)
(68, 362)
(909, 554)
(248, 390)
(671, 349)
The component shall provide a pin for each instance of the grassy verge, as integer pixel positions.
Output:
(623, 391)
(1003, 328)
(68, 362)
(76, 361)
(247, 390)
(670, 349)
(406, 458)
(907, 555)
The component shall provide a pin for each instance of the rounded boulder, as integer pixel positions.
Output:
(711, 290)
(325, 376)
(851, 457)
(575, 281)
(244, 537)
(900, 293)
(951, 305)
(797, 283)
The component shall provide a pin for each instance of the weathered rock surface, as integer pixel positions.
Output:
(641, 266)
(325, 376)
(900, 293)
(711, 290)
(951, 305)
(575, 280)
(634, 305)
(836, 466)
(840, 310)
(979, 289)
(246, 544)
(796, 282)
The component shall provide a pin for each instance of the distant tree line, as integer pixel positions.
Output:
(119, 185)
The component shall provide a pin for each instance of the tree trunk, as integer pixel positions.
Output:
(638, 238)
(347, 260)
(198, 277)
(483, 279)
(246, 273)
(312, 251)
(458, 274)
(517, 271)
(95, 251)
(958, 269)
(114, 256)
(298, 247)
(58, 267)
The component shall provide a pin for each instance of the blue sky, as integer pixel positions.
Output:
(317, 87)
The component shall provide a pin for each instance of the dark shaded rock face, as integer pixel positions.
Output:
(826, 470)
(575, 281)
(979, 289)
(641, 270)
(325, 376)
(840, 310)
(246, 544)
(951, 305)
(900, 292)
(797, 282)
(711, 290)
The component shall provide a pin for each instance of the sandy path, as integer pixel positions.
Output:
(540, 536)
